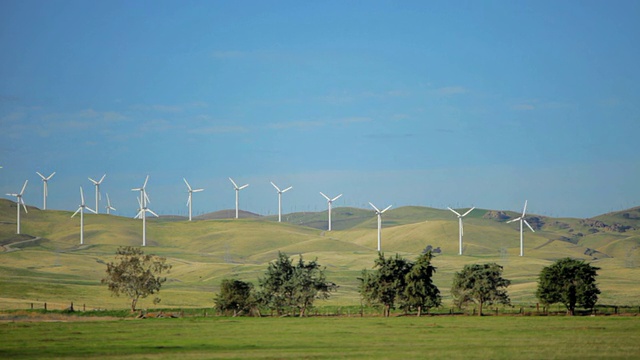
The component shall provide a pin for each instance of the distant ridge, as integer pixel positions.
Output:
(227, 214)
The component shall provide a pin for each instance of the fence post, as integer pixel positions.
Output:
(31, 306)
(84, 307)
(45, 306)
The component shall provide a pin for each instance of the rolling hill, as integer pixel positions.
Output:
(46, 262)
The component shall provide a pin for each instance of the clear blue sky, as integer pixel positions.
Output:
(445, 103)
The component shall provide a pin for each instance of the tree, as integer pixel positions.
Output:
(420, 291)
(135, 274)
(295, 286)
(481, 284)
(236, 296)
(570, 282)
(386, 283)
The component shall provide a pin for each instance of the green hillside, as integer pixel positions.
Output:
(46, 262)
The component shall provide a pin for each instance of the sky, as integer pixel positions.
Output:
(444, 103)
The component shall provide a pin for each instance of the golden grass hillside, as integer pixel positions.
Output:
(47, 263)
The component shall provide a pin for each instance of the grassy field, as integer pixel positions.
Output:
(54, 268)
(439, 337)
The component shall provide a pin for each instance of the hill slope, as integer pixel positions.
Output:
(46, 262)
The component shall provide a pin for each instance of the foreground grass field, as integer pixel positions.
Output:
(442, 337)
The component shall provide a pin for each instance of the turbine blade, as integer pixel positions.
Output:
(102, 178)
(108, 200)
(139, 202)
(336, 198)
(151, 211)
(373, 206)
(188, 200)
(23, 205)
(467, 213)
(325, 196)
(274, 185)
(188, 186)
(42, 176)
(77, 211)
(287, 189)
(145, 182)
(385, 209)
(197, 190)
(24, 187)
(243, 186)
(455, 212)
(93, 181)
(90, 209)
(139, 214)
(525, 208)
(525, 221)
(50, 176)
(81, 196)
(514, 220)
(234, 183)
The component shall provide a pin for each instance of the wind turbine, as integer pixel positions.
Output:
(109, 207)
(191, 191)
(460, 229)
(97, 184)
(237, 191)
(280, 199)
(379, 213)
(81, 211)
(521, 218)
(329, 203)
(142, 211)
(45, 191)
(20, 201)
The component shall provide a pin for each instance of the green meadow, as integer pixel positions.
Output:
(47, 264)
(438, 337)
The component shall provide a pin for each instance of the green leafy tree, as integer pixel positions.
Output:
(420, 291)
(481, 284)
(570, 282)
(386, 283)
(293, 286)
(136, 274)
(236, 296)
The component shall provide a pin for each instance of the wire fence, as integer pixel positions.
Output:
(345, 311)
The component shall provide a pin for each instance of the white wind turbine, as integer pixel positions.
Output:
(109, 207)
(20, 201)
(81, 211)
(460, 229)
(191, 191)
(379, 213)
(143, 210)
(521, 218)
(329, 204)
(97, 184)
(280, 192)
(45, 191)
(237, 192)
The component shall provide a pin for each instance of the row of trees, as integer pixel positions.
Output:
(394, 282)
(398, 283)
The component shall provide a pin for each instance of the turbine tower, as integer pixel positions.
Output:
(45, 191)
(237, 192)
(20, 201)
(522, 220)
(379, 213)
(280, 199)
(97, 184)
(142, 211)
(329, 205)
(81, 211)
(460, 229)
(191, 191)
(109, 207)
